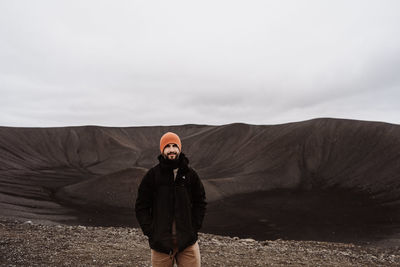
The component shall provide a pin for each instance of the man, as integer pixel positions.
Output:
(170, 207)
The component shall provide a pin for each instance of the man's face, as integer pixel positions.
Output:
(171, 151)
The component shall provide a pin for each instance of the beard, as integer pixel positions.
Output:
(172, 162)
(167, 156)
(172, 156)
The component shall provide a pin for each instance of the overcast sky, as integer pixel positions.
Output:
(131, 63)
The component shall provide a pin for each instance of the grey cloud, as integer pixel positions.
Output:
(175, 62)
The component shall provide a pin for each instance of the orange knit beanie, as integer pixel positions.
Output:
(170, 138)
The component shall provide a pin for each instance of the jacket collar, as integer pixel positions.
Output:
(182, 163)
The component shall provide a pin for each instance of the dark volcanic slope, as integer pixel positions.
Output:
(298, 168)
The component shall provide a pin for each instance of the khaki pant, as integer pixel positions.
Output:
(190, 257)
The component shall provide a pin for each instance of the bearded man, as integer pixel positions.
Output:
(170, 207)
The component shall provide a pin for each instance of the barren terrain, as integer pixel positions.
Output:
(315, 189)
(30, 244)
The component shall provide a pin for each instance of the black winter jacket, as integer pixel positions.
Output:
(160, 200)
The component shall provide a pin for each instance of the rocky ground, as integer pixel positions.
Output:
(32, 244)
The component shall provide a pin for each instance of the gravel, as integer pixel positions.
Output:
(33, 244)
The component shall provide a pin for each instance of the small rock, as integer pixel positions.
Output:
(248, 240)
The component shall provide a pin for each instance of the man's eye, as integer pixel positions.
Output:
(175, 145)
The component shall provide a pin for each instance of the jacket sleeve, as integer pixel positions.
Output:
(144, 203)
(198, 202)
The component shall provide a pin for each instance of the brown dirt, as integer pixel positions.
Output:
(32, 244)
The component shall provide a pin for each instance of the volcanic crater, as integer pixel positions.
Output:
(323, 179)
